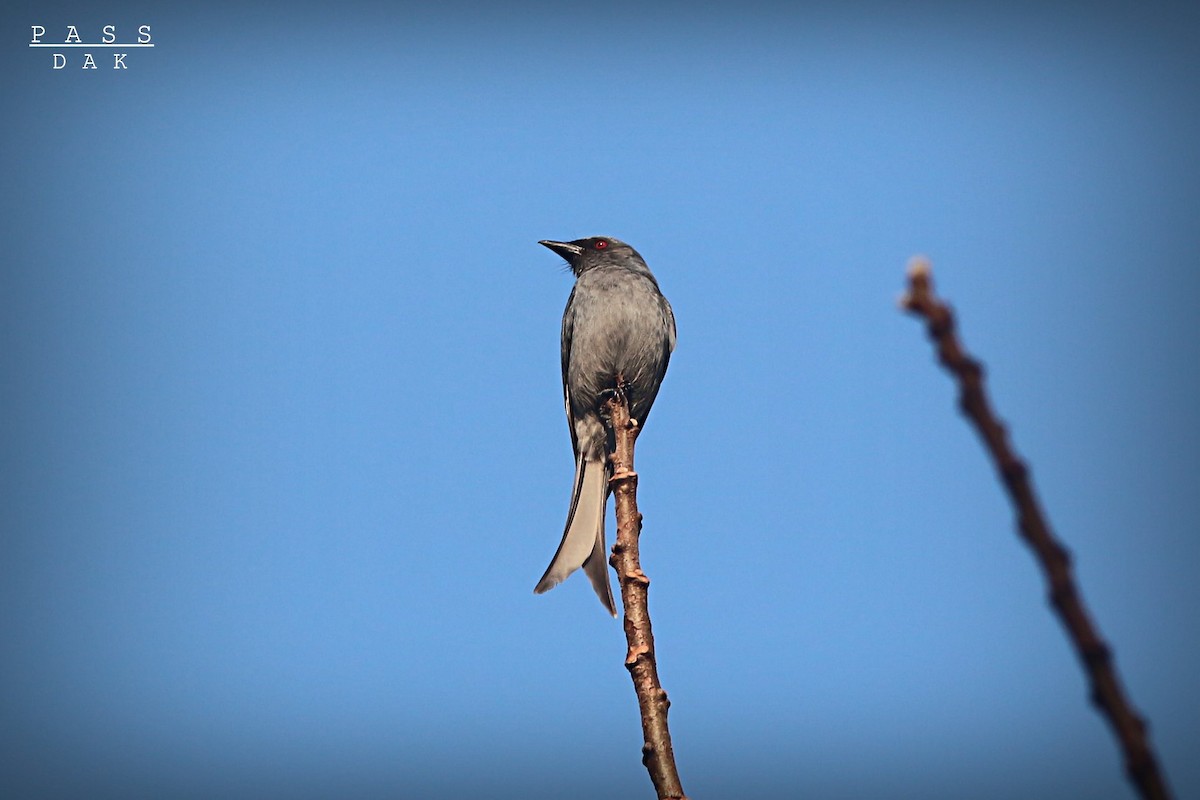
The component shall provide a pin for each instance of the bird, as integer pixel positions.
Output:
(617, 327)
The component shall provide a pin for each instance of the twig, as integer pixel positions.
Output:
(657, 754)
(1107, 694)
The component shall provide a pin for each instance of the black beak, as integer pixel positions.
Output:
(565, 249)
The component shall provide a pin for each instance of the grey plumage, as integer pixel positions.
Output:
(617, 323)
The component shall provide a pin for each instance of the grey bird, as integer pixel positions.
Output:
(617, 326)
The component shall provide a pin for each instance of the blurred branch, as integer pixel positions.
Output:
(1107, 693)
(657, 754)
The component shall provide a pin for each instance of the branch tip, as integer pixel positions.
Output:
(919, 268)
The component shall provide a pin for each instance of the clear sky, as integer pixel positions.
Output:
(283, 445)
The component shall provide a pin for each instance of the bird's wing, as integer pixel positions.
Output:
(669, 318)
(670, 315)
(568, 329)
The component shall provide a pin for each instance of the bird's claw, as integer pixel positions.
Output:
(620, 392)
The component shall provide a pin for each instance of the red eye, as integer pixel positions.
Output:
(600, 245)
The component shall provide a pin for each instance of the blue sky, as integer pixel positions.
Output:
(283, 440)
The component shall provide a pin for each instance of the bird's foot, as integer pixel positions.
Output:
(619, 392)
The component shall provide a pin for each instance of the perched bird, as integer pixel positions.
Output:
(617, 326)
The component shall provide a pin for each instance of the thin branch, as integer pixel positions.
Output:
(657, 754)
(1107, 693)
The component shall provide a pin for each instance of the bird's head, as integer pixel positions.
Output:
(596, 251)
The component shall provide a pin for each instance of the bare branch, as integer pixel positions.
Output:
(657, 754)
(1107, 693)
